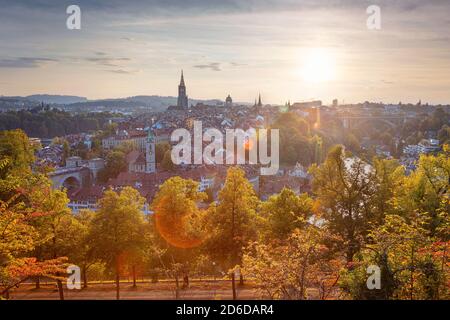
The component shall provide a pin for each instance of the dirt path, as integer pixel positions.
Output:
(208, 290)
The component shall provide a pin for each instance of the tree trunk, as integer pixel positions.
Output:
(177, 287)
(60, 289)
(241, 279)
(186, 281)
(233, 285)
(117, 279)
(134, 276)
(85, 283)
(38, 282)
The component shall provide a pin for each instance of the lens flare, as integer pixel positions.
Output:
(174, 229)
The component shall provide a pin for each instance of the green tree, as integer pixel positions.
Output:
(118, 228)
(426, 191)
(412, 265)
(285, 212)
(59, 231)
(294, 137)
(84, 254)
(115, 164)
(167, 163)
(232, 223)
(16, 151)
(344, 192)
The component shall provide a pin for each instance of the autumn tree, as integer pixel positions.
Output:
(25, 198)
(344, 191)
(167, 163)
(285, 212)
(178, 221)
(287, 270)
(412, 265)
(17, 153)
(84, 254)
(118, 228)
(426, 190)
(160, 151)
(232, 222)
(59, 231)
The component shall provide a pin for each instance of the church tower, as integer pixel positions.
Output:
(150, 166)
(259, 101)
(182, 97)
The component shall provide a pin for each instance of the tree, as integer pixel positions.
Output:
(232, 223)
(287, 270)
(167, 163)
(412, 265)
(118, 228)
(59, 231)
(84, 255)
(17, 151)
(426, 191)
(178, 221)
(115, 164)
(160, 151)
(294, 133)
(20, 237)
(388, 178)
(285, 212)
(344, 192)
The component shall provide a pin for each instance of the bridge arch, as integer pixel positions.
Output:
(357, 124)
(71, 183)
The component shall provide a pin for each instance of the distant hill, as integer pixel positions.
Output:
(136, 101)
(56, 99)
(155, 102)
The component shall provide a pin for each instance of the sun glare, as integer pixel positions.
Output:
(318, 66)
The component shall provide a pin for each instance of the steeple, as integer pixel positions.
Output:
(182, 96)
(182, 79)
(259, 101)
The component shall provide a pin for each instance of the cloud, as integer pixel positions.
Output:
(122, 71)
(24, 62)
(107, 61)
(214, 66)
(237, 64)
(182, 7)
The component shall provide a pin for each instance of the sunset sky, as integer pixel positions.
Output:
(286, 49)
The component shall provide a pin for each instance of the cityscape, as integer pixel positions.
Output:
(203, 187)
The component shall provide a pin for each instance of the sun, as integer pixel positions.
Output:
(318, 65)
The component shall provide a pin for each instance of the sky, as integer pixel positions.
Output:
(287, 50)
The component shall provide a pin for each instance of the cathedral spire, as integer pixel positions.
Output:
(182, 79)
(182, 96)
(259, 101)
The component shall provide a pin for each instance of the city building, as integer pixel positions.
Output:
(429, 146)
(137, 138)
(228, 101)
(182, 96)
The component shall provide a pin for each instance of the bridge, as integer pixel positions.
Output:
(357, 121)
(70, 178)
